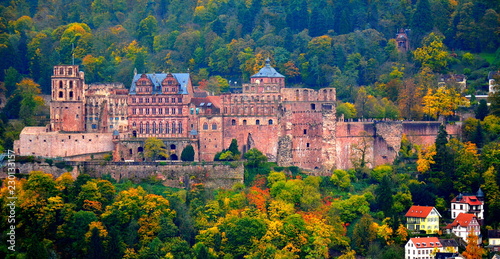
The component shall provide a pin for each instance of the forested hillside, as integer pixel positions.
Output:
(344, 44)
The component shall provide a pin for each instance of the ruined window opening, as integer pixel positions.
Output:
(233, 122)
(305, 131)
(257, 122)
(244, 122)
(270, 122)
(313, 106)
(307, 145)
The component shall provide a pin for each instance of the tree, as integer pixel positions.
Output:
(346, 109)
(473, 250)
(482, 110)
(433, 53)
(422, 20)
(254, 158)
(233, 147)
(443, 102)
(188, 153)
(154, 148)
(492, 193)
(365, 231)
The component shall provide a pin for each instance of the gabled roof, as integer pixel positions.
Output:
(448, 242)
(268, 71)
(425, 242)
(420, 211)
(463, 220)
(157, 79)
(469, 199)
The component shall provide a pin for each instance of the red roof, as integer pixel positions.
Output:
(426, 242)
(463, 219)
(471, 200)
(419, 211)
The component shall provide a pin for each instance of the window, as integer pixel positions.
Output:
(173, 147)
(179, 99)
(270, 122)
(233, 122)
(70, 71)
(61, 95)
(180, 127)
(257, 122)
(71, 95)
(307, 145)
(305, 131)
(179, 111)
(214, 126)
(173, 110)
(70, 84)
(191, 111)
(205, 126)
(244, 122)
(160, 128)
(313, 106)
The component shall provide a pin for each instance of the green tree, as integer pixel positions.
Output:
(188, 153)
(482, 110)
(364, 234)
(254, 158)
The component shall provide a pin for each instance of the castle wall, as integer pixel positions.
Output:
(133, 149)
(380, 141)
(259, 132)
(210, 136)
(213, 175)
(38, 142)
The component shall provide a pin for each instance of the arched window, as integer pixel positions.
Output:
(257, 122)
(154, 127)
(141, 128)
(70, 71)
(160, 128)
(233, 122)
(71, 95)
(167, 128)
(244, 122)
(140, 149)
(60, 84)
(174, 130)
(147, 128)
(205, 126)
(214, 126)
(61, 95)
(173, 147)
(270, 122)
(180, 127)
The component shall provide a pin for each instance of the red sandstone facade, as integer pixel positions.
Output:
(292, 126)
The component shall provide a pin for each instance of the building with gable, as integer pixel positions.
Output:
(468, 203)
(422, 218)
(422, 248)
(463, 225)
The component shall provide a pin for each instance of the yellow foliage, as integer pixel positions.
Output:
(425, 158)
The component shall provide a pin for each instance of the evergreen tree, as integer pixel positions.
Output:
(442, 158)
(233, 147)
(422, 21)
(482, 110)
(187, 153)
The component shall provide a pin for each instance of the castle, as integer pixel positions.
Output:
(291, 126)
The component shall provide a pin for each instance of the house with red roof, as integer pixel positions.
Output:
(463, 225)
(422, 248)
(471, 204)
(422, 218)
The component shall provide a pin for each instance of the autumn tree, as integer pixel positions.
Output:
(473, 250)
(433, 53)
(443, 101)
(154, 148)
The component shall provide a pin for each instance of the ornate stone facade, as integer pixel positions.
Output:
(292, 126)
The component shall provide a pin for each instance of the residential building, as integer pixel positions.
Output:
(494, 240)
(422, 248)
(468, 203)
(422, 218)
(463, 225)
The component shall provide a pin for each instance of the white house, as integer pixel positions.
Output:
(463, 225)
(422, 248)
(471, 204)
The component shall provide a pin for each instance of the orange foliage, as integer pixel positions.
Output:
(258, 197)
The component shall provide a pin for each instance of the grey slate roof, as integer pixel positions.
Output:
(267, 71)
(182, 78)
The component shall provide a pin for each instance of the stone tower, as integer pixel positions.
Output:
(67, 103)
